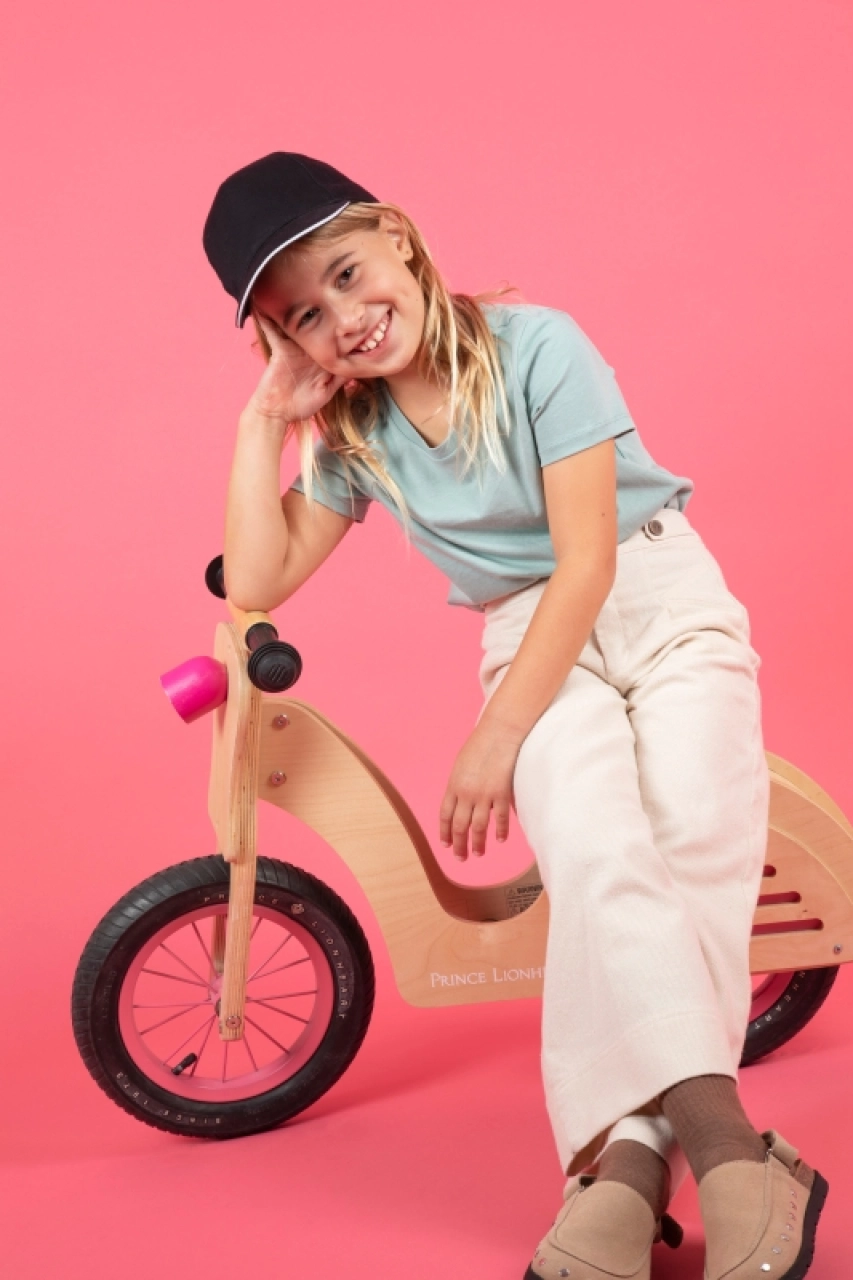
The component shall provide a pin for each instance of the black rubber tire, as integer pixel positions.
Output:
(165, 897)
(800, 1001)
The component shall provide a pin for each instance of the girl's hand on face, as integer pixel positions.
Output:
(481, 782)
(292, 386)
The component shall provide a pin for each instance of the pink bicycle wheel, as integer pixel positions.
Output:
(145, 1002)
(169, 1003)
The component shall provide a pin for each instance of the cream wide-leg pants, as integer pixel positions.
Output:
(643, 791)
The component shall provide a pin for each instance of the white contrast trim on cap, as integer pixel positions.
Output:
(278, 249)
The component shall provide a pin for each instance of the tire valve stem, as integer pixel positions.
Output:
(184, 1063)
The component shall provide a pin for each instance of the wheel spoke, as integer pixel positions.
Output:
(256, 928)
(225, 1045)
(249, 1051)
(189, 1038)
(143, 1031)
(270, 957)
(288, 995)
(207, 954)
(192, 1071)
(176, 978)
(280, 968)
(188, 967)
(276, 1042)
(174, 1005)
(283, 1012)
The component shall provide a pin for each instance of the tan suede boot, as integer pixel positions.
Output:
(760, 1219)
(604, 1231)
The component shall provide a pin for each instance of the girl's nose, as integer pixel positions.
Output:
(349, 320)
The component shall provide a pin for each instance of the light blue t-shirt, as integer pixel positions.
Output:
(487, 530)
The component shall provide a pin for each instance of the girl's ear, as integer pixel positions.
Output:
(394, 228)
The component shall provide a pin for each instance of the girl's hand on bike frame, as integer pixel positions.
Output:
(292, 387)
(481, 783)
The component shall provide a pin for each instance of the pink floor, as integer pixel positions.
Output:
(430, 1160)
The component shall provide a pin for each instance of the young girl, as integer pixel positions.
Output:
(622, 713)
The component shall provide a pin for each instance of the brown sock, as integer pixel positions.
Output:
(710, 1123)
(639, 1167)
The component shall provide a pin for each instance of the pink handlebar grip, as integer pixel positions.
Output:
(196, 687)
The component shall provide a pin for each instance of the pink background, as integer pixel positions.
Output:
(676, 177)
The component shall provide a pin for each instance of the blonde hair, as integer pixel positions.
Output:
(458, 349)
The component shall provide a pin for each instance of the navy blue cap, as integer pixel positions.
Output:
(265, 206)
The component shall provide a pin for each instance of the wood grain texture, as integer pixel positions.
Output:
(233, 810)
(809, 850)
(803, 783)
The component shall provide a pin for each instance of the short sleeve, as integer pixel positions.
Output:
(571, 394)
(336, 485)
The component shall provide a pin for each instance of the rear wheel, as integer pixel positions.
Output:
(146, 992)
(783, 1003)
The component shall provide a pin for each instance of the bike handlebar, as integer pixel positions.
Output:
(274, 665)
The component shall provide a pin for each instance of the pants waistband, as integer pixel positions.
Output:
(668, 522)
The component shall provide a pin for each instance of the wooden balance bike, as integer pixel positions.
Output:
(224, 995)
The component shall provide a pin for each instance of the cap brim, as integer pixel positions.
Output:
(280, 240)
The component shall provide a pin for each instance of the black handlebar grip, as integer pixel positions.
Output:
(274, 666)
(215, 579)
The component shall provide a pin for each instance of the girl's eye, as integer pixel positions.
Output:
(344, 275)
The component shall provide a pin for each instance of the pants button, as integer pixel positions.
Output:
(655, 527)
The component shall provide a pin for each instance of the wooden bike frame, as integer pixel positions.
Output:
(451, 944)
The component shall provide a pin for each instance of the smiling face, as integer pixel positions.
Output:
(351, 304)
